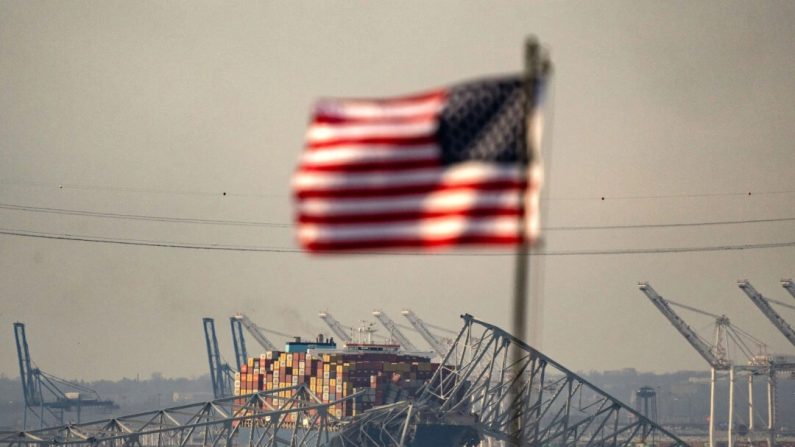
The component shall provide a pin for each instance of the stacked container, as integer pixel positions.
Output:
(385, 378)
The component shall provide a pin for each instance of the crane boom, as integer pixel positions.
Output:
(239, 341)
(394, 331)
(763, 304)
(256, 333)
(789, 285)
(690, 335)
(420, 326)
(218, 369)
(26, 372)
(335, 327)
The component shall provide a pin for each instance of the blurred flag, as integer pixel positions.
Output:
(448, 167)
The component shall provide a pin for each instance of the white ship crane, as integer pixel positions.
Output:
(716, 355)
(394, 331)
(255, 332)
(436, 344)
(335, 327)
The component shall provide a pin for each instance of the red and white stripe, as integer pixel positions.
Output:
(371, 177)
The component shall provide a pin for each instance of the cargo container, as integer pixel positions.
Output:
(381, 371)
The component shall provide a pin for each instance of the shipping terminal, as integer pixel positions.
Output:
(480, 386)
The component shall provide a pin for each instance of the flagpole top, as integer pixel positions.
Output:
(537, 61)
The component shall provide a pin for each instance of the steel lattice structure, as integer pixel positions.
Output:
(527, 396)
(387, 425)
(491, 389)
(259, 419)
(494, 389)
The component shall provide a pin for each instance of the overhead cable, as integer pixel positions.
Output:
(99, 214)
(244, 248)
(605, 197)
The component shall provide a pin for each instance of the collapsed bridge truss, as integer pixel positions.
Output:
(496, 386)
(491, 389)
(265, 418)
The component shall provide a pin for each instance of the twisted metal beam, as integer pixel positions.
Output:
(532, 400)
(265, 418)
(387, 425)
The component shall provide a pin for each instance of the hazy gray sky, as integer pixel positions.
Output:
(672, 111)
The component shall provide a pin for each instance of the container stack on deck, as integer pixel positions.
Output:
(385, 378)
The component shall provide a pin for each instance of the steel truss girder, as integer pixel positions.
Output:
(259, 419)
(388, 425)
(529, 397)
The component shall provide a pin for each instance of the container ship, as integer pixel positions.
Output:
(380, 370)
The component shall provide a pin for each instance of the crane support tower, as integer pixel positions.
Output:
(394, 331)
(48, 397)
(256, 333)
(335, 327)
(716, 363)
(239, 342)
(221, 374)
(764, 305)
(438, 347)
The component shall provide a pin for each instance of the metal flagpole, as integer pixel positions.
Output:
(535, 68)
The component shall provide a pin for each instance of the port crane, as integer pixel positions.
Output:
(717, 356)
(436, 344)
(763, 304)
(335, 327)
(778, 363)
(47, 397)
(221, 374)
(394, 331)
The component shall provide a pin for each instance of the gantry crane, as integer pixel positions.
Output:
(221, 374)
(763, 304)
(789, 285)
(437, 345)
(255, 332)
(46, 394)
(394, 331)
(717, 357)
(335, 327)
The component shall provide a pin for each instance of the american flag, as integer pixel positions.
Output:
(448, 167)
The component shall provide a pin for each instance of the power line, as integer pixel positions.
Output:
(124, 189)
(142, 242)
(669, 225)
(678, 196)
(244, 248)
(234, 194)
(63, 211)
